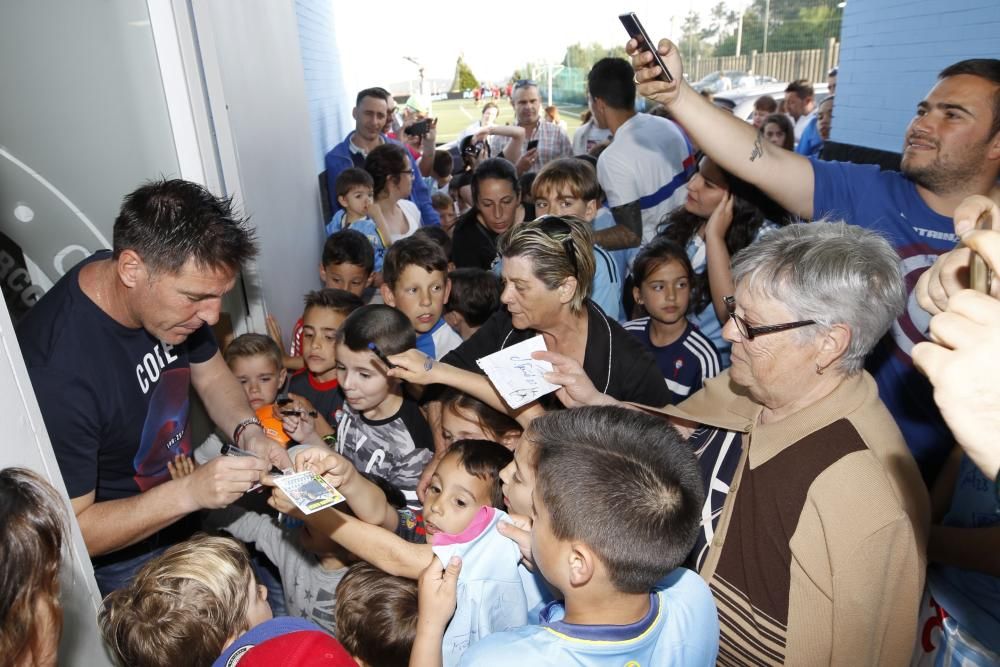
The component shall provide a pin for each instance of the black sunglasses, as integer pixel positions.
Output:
(524, 83)
(551, 225)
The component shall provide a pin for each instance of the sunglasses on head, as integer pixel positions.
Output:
(553, 226)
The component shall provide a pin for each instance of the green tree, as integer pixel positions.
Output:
(694, 37)
(584, 56)
(464, 78)
(791, 26)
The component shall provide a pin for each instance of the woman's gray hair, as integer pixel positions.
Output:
(832, 273)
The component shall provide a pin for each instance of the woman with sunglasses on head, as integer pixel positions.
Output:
(548, 270)
(816, 520)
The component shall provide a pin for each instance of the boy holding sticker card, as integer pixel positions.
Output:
(382, 431)
(461, 517)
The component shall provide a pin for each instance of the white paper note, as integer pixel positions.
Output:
(515, 375)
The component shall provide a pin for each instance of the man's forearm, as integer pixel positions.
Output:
(114, 524)
(224, 398)
(627, 232)
(618, 237)
(740, 149)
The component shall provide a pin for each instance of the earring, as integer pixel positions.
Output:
(819, 369)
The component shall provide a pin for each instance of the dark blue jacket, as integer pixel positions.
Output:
(340, 158)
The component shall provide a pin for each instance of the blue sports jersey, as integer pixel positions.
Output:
(888, 202)
(686, 363)
(681, 628)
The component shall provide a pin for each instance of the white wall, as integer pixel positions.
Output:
(890, 55)
(328, 94)
(26, 445)
(256, 92)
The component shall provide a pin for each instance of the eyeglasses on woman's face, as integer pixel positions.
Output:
(749, 332)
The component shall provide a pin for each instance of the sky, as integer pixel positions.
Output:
(494, 38)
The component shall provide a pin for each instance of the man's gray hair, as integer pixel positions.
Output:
(830, 272)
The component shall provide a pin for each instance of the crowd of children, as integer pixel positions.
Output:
(333, 396)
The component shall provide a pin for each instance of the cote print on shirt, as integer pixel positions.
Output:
(164, 433)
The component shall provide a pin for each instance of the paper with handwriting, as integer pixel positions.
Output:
(515, 375)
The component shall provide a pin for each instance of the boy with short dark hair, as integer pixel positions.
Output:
(441, 171)
(377, 616)
(355, 192)
(382, 430)
(475, 296)
(325, 311)
(445, 206)
(415, 274)
(616, 508)
(347, 263)
(568, 186)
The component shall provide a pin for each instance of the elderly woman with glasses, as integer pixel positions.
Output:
(548, 269)
(816, 518)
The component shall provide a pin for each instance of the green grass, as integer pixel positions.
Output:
(454, 115)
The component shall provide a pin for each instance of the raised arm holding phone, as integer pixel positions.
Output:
(951, 150)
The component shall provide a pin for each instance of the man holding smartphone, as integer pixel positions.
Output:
(552, 141)
(951, 150)
(371, 117)
(645, 170)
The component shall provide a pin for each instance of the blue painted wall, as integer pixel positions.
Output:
(329, 103)
(891, 53)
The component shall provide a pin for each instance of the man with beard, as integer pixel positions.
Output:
(951, 150)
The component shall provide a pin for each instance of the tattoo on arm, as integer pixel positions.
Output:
(627, 233)
(758, 147)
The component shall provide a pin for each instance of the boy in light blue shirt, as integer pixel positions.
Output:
(616, 506)
(568, 186)
(355, 192)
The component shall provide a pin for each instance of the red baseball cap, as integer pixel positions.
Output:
(286, 642)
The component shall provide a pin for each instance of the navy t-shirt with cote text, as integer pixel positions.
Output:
(115, 400)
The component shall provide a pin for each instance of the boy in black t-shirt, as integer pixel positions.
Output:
(325, 312)
(382, 431)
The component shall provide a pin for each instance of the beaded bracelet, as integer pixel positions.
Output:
(242, 426)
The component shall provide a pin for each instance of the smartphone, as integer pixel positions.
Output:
(980, 274)
(638, 33)
(532, 144)
(420, 128)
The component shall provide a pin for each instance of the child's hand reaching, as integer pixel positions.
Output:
(519, 532)
(298, 421)
(182, 466)
(274, 330)
(335, 468)
(284, 504)
(437, 593)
